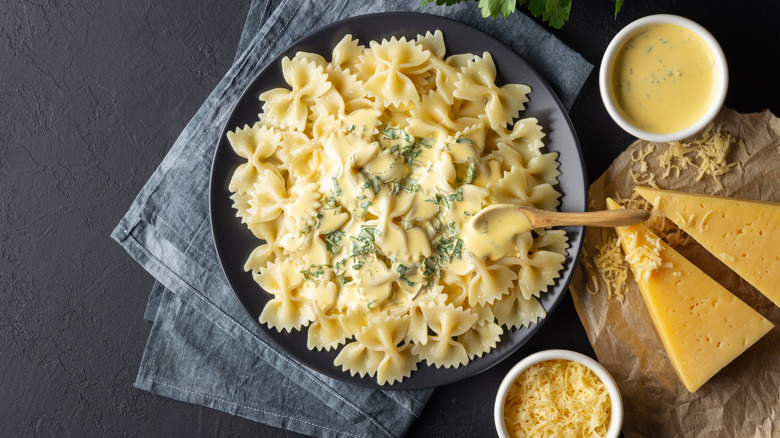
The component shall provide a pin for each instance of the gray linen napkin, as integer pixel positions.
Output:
(203, 348)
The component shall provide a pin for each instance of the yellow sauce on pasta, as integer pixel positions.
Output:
(663, 78)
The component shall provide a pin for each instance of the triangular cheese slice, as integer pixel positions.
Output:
(745, 235)
(702, 326)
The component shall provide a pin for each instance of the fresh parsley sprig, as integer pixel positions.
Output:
(553, 12)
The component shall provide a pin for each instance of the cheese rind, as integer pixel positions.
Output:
(703, 326)
(743, 234)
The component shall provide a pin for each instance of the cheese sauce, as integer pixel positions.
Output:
(494, 236)
(663, 78)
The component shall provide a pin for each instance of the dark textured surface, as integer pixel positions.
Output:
(92, 95)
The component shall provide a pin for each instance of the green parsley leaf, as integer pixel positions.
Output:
(557, 12)
(554, 12)
(618, 5)
(494, 8)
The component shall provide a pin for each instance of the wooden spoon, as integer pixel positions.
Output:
(537, 218)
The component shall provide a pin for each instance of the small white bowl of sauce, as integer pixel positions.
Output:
(663, 78)
(558, 393)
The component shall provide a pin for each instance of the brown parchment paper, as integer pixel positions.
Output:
(743, 399)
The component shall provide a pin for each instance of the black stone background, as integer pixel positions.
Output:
(92, 95)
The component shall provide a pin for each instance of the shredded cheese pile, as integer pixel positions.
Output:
(638, 157)
(557, 398)
(645, 256)
(610, 266)
(709, 152)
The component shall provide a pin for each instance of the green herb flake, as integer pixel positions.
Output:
(363, 243)
(313, 273)
(336, 186)
(430, 265)
(457, 196)
(450, 248)
(332, 241)
(401, 269)
(410, 153)
(371, 181)
(471, 171)
(390, 133)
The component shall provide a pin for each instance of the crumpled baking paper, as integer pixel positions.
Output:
(743, 399)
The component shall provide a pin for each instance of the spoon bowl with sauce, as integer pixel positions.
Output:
(489, 232)
(663, 78)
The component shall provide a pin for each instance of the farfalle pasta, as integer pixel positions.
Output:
(360, 180)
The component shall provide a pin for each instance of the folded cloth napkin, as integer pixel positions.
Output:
(203, 347)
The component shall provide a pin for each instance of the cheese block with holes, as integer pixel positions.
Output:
(703, 326)
(743, 234)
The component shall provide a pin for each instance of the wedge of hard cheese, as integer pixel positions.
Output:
(702, 326)
(745, 235)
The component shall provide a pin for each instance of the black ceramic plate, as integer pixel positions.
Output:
(234, 242)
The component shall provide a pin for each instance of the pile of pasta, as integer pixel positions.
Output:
(359, 179)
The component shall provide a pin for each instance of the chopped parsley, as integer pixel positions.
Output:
(336, 186)
(363, 243)
(332, 241)
(372, 181)
(445, 199)
(401, 269)
(450, 248)
(408, 184)
(457, 196)
(313, 273)
(471, 170)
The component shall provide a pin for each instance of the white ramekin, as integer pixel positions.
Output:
(609, 57)
(616, 414)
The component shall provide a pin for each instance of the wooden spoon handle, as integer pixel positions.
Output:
(603, 218)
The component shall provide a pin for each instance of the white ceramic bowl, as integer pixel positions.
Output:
(616, 414)
(629, 31)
